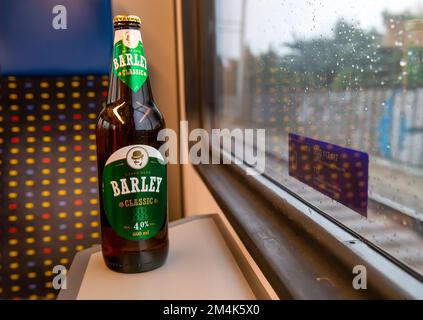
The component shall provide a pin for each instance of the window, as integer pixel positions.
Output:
(348, 73)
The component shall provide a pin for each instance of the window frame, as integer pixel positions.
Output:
(303, 252)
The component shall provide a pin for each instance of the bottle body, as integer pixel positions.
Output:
(131, 170)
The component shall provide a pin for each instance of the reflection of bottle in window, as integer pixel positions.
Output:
(412, 62)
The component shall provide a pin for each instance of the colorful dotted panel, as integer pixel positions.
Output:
(48, 174)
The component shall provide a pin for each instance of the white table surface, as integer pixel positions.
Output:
(201, 265)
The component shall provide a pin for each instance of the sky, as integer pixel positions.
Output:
(273, 22)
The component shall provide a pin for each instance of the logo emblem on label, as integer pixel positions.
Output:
(137, 158)
(130, 39)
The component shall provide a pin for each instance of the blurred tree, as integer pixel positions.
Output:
(350, 58)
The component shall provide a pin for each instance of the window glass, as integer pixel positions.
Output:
(348, 73)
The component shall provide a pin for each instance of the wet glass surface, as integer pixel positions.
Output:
(348, 73)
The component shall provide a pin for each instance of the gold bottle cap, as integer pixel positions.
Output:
(123, 18)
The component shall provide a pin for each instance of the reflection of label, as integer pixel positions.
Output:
(135, 191)
(129, 63)
(337, 172)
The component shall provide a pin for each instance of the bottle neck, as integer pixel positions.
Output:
(129, 80)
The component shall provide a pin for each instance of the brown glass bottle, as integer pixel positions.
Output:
(131, 118)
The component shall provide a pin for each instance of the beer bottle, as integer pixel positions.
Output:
(131, 170)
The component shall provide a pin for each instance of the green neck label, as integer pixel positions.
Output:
(135, 192)
(129, 63)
